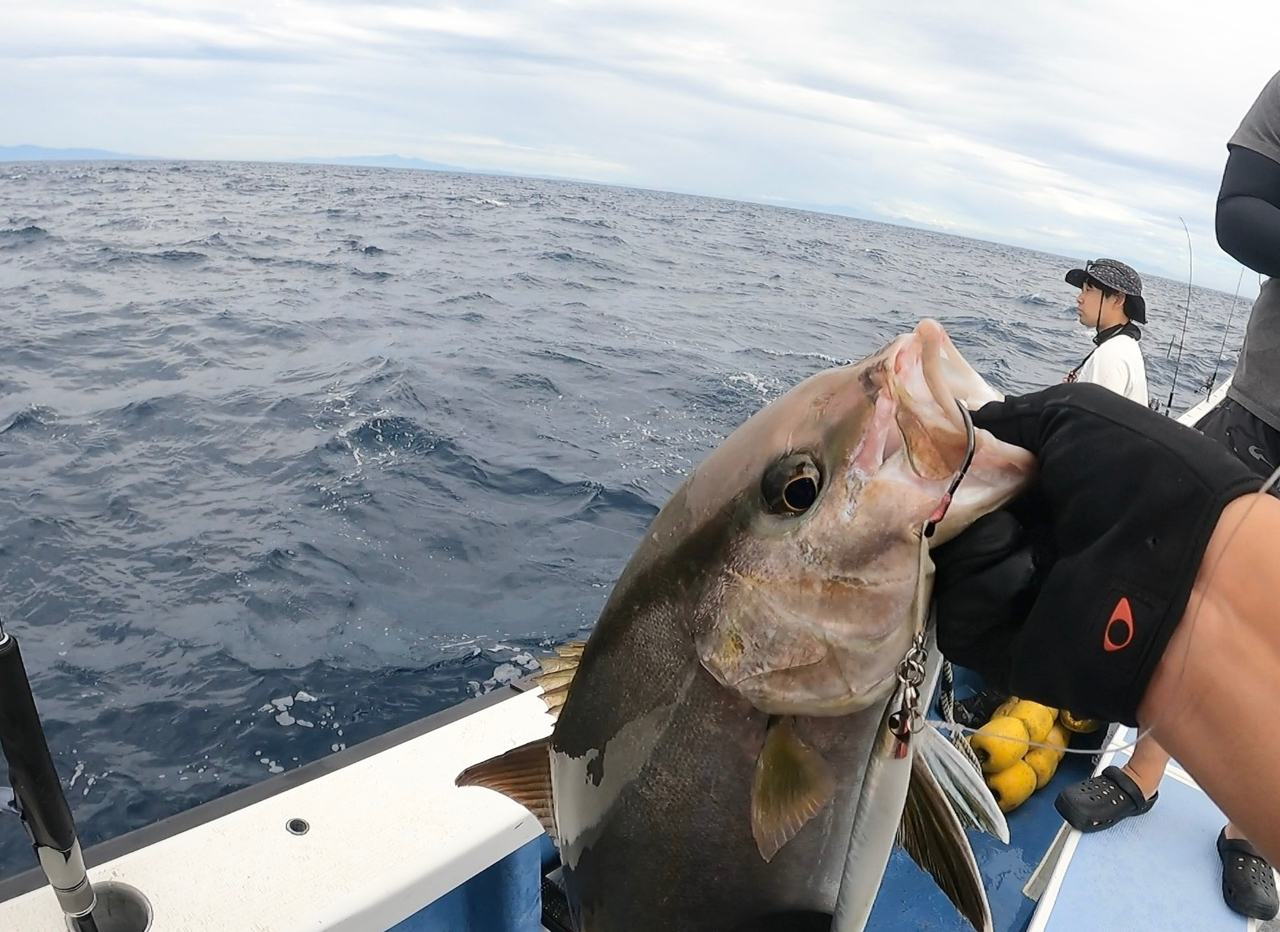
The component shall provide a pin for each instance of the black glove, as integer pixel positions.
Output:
(984, 584)
(1078, 604)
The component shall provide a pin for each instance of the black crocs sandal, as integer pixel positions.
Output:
(1248, 884)
(976, 709)
(1102, 801)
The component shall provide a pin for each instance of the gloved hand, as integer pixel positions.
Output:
(1070, 597)
(985, 581)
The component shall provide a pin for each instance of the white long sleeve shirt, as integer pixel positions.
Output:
(1117, 364)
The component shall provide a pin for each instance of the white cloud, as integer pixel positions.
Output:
(1081, 127)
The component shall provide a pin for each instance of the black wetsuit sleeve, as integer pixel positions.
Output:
(1248, 216)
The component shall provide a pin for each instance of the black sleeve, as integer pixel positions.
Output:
(1248, 217)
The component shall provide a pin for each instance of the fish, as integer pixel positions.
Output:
(739, 741)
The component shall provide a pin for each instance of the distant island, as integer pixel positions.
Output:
(46, 154)
(43, 154)
(392, 161)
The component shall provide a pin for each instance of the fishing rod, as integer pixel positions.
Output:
(38, 793)
(1185, 312)
(1225, 331)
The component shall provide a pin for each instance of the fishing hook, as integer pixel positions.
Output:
(971, 442)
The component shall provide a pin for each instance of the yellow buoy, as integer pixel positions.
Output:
(1044, 761)
(1081, 726)
(1058, 738)
(1038, 718)
(1013, 785)
(999, 743)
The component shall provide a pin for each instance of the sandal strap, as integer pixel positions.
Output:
(1239, 846)
(1126, 785)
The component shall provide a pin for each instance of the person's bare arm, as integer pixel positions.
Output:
(1214, 697)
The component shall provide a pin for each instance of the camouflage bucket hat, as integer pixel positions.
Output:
(1118, 277)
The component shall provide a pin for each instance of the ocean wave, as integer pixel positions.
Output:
(474, 201)
(114, 255)
(821, 357)
(530, 384)
(573, 360)
(391, 432)
(475, 296)
(570, 255)
(30, 419)
(17, 238)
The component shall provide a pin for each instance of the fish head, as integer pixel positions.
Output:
(820, 499)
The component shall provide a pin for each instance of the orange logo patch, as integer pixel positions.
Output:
(1119, 630)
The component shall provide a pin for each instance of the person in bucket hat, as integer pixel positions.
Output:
(1111, 302)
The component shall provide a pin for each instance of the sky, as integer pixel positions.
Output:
(1079, 128)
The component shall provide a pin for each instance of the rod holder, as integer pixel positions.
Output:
(41, 803)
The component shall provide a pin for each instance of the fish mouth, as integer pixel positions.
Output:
(927, 384)
(917, 432)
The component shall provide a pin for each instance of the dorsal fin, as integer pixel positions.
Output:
(933, 836)
(522, 774)
(557, 663)
(554, 698)
(558, 673)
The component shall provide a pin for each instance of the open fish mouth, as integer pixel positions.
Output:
(917, 434)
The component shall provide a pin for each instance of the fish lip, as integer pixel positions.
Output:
(935, 376)
(918, 383)
(929, 341)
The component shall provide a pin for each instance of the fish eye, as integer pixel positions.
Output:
(791, 485)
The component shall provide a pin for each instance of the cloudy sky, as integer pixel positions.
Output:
(1082, 128)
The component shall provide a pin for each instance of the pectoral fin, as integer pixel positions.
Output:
(522, 774)
(792, 783)
(933, 836)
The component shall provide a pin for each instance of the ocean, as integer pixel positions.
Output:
(293, 455)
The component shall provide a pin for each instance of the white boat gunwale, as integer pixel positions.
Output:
(481, 727)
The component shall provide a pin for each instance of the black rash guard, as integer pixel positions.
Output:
(1248, 216)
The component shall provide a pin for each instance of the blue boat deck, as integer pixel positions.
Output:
(909, 898)
(1157, 872)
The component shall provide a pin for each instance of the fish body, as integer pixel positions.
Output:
(722, 757)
